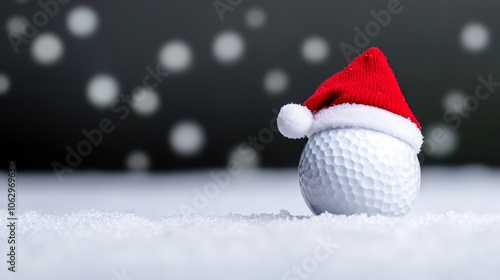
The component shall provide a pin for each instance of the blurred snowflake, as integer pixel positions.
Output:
(82, 21)
(228, 47)
(475, 37)
(187, 138)
(47, 49)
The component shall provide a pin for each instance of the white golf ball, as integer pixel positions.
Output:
(353, 171)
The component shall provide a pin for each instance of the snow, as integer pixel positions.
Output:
(129, 226)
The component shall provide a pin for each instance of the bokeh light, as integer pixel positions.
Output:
(440, 141)
(244, 156)
(146, 102)
(315, 49)
(475, 37)
(90, 52)
(187, 138)
(454, 101)
(16, 25)
(102, 90)
(4, 83)
(82, 21)
(228, 47)
(47, 49)
(176, 56)
(138, 161)
(275, 81)
(255, 18)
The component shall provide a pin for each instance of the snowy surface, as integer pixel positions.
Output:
(117, 226)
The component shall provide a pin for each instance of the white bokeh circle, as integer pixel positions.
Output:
(187, 138)
(47, 49)
(146, 102)
(440, 141)
(102, 89)
(176, 56)
(82, 21)
(228, 47)
(315, 49)
(475, 37)
(244, 156)
(4, 83)
(255, 18)
(275, 81)
(454, 101)
(16, 25)
(137, 161)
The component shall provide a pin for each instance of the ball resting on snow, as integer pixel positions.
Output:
(353, 171)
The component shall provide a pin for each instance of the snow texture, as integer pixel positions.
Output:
(135, 230)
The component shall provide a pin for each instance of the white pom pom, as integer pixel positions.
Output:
(294, 121)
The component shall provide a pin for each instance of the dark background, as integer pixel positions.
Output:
(46, 107)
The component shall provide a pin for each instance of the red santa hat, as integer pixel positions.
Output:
(365, 94)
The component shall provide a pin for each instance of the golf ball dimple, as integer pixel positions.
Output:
(354, 170)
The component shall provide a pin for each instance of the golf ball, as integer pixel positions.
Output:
(355, 170)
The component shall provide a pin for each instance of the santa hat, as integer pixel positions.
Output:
(365, 94)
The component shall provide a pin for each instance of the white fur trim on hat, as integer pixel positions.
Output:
(369, 117)
(294, 121)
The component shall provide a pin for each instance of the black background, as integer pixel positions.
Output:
(46, 107)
